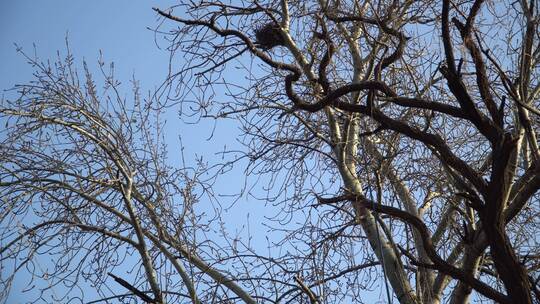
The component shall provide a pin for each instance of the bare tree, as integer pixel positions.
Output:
(396, 142)
(413, 123)
(84, 180)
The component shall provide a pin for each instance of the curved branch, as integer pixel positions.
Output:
(418, 224)
(234, 33)
(427, 138)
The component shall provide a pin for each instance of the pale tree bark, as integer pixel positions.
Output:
(98, 186)
(370, 40)
(396, 143)
(345, 148)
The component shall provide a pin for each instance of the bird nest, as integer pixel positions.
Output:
(269, 36)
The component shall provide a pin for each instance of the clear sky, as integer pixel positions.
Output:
(119, 30)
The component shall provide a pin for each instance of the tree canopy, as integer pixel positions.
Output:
(395, 141)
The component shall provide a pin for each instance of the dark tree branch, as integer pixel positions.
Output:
(418, 224)
(132, 288)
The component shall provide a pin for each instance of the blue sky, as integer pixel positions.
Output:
(118, 30)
